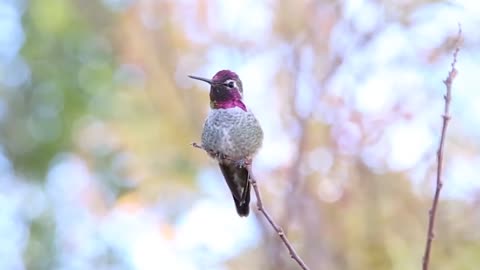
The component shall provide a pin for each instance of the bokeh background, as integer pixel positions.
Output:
(97, 116)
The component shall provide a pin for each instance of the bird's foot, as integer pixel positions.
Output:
(243, 163)
(221, 156)
(213, 154)
(217, 155)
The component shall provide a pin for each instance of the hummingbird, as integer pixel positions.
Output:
(231, 135)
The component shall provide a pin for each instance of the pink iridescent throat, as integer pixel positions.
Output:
(230, 104)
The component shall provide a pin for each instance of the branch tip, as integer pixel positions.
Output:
(439, 182)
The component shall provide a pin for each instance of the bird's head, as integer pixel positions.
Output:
(225, 90)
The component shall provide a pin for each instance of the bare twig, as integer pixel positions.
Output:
(277, 228)
(446, 117)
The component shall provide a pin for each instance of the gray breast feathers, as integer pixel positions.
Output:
(232, 132)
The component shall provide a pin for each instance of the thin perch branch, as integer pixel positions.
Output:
(439, 183)
(277, 228)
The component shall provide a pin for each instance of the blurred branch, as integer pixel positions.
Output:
(296, 182)
(277, 228)
(446, 117)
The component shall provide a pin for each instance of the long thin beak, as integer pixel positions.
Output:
(200, 79)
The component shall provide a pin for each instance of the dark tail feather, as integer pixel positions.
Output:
(243, 207)
(237, 180)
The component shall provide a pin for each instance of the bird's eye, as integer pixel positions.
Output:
(230, 84)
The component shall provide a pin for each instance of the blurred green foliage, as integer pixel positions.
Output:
(70, 65)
